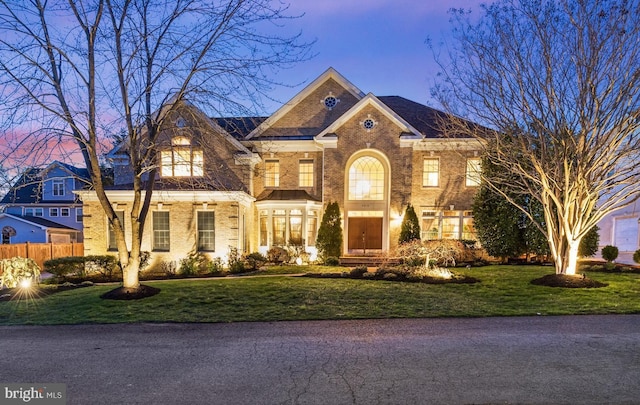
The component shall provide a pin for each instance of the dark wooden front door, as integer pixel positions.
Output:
(365, 233)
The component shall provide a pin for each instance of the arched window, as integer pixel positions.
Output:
(366, 179)
(7, 233)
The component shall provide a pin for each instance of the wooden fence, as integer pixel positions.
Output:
(41, 252)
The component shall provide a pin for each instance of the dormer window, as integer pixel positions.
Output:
(182, 160)
(58, 187)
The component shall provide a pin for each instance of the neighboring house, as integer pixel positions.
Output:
(47, 194)
(621, 228)
(254, 183)
(21, 229)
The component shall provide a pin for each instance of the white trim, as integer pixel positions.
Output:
(171, 196)
(449, 144)
(286, 145)
(371, 100)
(330, 73)
(42, 227)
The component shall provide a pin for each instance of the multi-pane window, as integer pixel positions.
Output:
(53, 212)
(206, 231)
(58, 187)
(65, 212)
(34, 212)
(263, 228)
(305, 173)
(430, 172)
(366, 179)
(312, 226)
(78, 214)
(473, 172)
(271, 173)
(295, 227)
(161, 234)
(279, 228)
(182, 160)
(112, 235)
(447, 225)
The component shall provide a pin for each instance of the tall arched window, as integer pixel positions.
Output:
(366, 179)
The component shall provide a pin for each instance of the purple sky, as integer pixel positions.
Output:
(378, 45)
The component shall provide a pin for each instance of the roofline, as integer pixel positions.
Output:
(372, 100)
(42, 227)
(330, 73)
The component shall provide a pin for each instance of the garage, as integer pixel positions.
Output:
(625, 234)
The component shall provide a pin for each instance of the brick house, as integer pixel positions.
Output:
(255, 182)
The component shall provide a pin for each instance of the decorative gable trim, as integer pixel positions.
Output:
(408, 136)
(330, 73)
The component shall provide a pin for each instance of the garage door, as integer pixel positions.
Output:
(626, 234)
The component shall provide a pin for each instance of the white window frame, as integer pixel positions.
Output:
(54, 212)
(57, 187)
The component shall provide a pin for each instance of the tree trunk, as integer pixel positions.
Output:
(130, 277)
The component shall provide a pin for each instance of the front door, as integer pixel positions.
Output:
(365, 234)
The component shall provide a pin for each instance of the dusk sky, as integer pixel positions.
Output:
(378, 45)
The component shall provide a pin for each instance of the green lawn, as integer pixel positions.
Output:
(503, 291)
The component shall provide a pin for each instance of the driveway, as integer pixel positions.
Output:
(530, 360)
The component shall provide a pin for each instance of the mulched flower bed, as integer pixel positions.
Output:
(562, 280)
(457, 279)
(124, 293)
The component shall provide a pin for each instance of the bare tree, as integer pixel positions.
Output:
(559, 82)
(82, 69)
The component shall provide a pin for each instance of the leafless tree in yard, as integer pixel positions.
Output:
(74, 71)
(559, 82)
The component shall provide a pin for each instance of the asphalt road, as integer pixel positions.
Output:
(530, 360)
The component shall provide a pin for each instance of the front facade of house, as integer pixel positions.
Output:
(254, 183)
(44, 198)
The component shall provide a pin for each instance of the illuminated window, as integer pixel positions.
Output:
(206, 231)
(295, 227)
(161, 234)
(272, 173)
(279, 228)
(430, 172)
(112, 234)
(312, 226)
(473, 172)
(263, 228)
(58, 187)
(305, 173)
(366, 179)
(182, 160)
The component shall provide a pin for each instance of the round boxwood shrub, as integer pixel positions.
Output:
(609, 253)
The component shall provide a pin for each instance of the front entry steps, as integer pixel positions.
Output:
(369, 261)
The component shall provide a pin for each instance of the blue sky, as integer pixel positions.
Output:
(378, 45)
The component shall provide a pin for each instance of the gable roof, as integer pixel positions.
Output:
(370, 100)
(38, 221)
(329, 74)
(28, 188)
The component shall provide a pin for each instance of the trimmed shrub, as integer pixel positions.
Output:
(195, 263)
(236, 263)
(610, 253)
(17, 269)
(358, 272)
(106, 265)
(332, 261)
(64, 267)
(636, 256)
(278, 255)
(255, 260)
